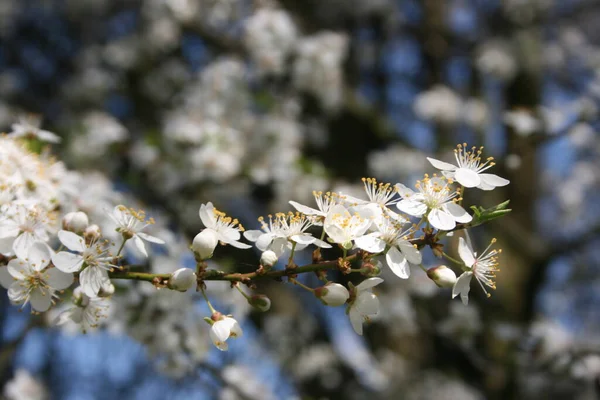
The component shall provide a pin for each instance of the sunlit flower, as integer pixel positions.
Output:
(483, 267)
(282, 231)
(343, 227)
(380, 197)
(86, 311)
(436, 199)
(400, 252)
(325, 201)
(21, 226)
(130, 224)
(93, 258)
(33, 282)
(469, 169)
(363, 304)
(333, 294)
(222, 329)
(226, 229)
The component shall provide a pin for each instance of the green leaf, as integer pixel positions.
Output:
(485, 215)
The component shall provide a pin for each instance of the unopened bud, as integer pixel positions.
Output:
(260, 301)
(79, 298)
(92, 233)
(268, 259)
(332, 294)
(75, 222)
(204, 244)
(442, 276)
(182, 279)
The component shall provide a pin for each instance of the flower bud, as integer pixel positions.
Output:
(204, 244)
(371, 268)
(268, 259)
(260, 301)
(182, 279)
(75, 222)
(91, 233)
(332, 294)
(442, 276)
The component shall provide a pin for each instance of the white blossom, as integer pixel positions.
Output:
(435, 199)
(469, 169)
(182, 279)
(400, 253)
(325, 202)
(34, 282)
(226, 229)
(483, 267)
(333, 294)
(86, 311)
(343, 227)
(130, 224)
(93, 258)
(222, 329)
(23, 386)
(282, 232)
(363, 303)
(22, 225)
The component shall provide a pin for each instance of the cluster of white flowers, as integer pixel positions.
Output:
(52, 235)
(442, 105)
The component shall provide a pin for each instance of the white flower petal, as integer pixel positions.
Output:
(67, 262)
(6, 245)
(412, 254)
(397, 263)
(367, 304)
(467, 177)
(305, 209)
(465, 252)
(92, 279)
(150, 238)
(38, 256)
(220, 331)
(368, 283)
(462, 287)
(403, 190)
(441, 165)
(322, 244)
(17, 293)
(441, 219)
(356, 320)
(264, 241)
(412, 207)
(139, 244)
(491, 180)
(57, 279)
(18, 269)
(23, 243)
(72, 241)
(303, 239)
(6, 279)
(253, 235)
(239, 245)
(207, 215)
(370, 243)
(40, 300)
(458, 212)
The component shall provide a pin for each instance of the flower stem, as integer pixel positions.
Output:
(296, 282)
(237, 286)
(455, 261)
(121, 248)
(212, 309)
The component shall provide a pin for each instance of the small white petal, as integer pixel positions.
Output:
(412, 207)
(491, 180)
(39, 256)
(67, 262)
(441, 220)
(412, 254)
(264, 241)
(139, 244)
(303, 239)
(367, 304)
(220, 331)
(40, 300)
(322, 244)
(467, 177)
(370, 243)
(150, 238)
(18, 269)
(397, 263)
(458, 212)
(6, 278)
(356, 319)
(403, 190)
(441, 165)
(23, 243)
(305, 209)
(462, 287)
(239, 245)
(72, 241)
(92, 279)
(57, 279)
(207, 215)
(465, 252)
(368, 283)
(253, 235)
